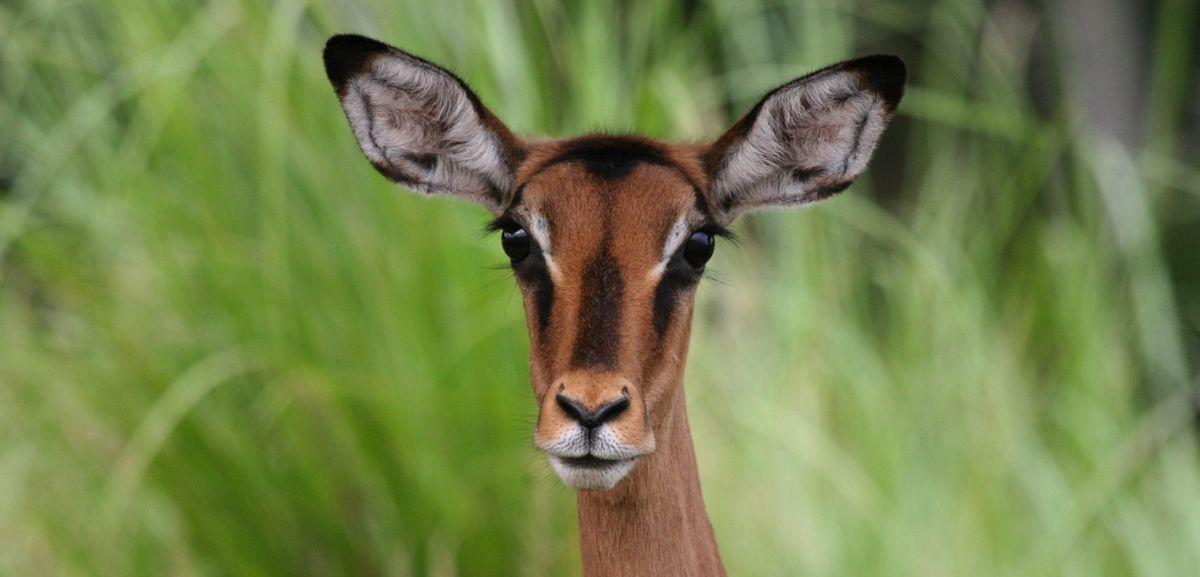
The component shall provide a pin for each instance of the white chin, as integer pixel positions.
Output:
(602, 478)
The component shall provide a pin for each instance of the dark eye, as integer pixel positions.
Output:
(699, 248)
(516, 244)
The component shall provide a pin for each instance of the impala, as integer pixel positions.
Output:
(608, 237)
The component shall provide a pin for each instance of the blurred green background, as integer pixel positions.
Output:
(229, 347)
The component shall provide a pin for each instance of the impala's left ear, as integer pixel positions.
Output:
(806, 140)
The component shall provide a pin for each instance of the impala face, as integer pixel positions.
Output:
(608, 236)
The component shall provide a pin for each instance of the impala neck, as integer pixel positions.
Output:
(653, 522)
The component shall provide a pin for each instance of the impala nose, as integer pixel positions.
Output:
(591, 419)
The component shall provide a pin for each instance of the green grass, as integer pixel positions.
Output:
(228, 347)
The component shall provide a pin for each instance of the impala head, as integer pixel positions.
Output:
(608, 236)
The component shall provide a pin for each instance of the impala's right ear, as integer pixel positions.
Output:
(420, 125)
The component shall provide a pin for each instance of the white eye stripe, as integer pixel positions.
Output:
(540, 230)
(679, 233)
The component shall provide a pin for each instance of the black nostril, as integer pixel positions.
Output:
(571, 408)
(610, 411)
(590, 420)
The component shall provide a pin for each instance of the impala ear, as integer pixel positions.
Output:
(420, 125)
(806, 140)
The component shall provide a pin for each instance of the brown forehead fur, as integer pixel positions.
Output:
(684, 159)
(630, 216)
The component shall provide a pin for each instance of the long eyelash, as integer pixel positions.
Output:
(722, 232)
(502, 222)
(506, 222)
(715, 276)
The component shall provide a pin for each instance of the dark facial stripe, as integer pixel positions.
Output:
(533, 274)
(677, 280)
(543, 298)
(665, 297)
(599, 338)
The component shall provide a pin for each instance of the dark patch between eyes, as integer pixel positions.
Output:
(598, 339)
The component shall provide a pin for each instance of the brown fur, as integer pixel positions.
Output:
(655, 518)
(609, 294)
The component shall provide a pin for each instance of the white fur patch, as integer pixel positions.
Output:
(676, 236)
(573, 443)
(417, 123)
(540, 231)
(602, 478)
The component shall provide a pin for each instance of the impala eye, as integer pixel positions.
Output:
(699, 248)
(516, 244)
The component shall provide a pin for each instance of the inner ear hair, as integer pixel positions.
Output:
(420, 125)
(806, 140)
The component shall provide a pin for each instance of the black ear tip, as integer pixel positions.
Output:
(347, 54)
(886, 74)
